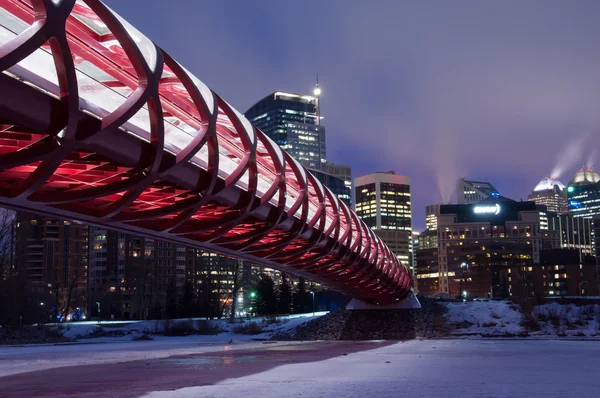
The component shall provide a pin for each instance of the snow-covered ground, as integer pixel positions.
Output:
(83, 330)
(22, 359)
(449, 368)
(568, 320)
(505, 319)
(484, 318)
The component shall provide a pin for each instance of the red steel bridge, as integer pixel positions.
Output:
(100, 125)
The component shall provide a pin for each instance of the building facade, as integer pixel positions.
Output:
(551, 193)
(338, 186)
(575, 233)
(561, 272)
(52, 255)
(432, 213)
(477, 243)
(469, 191)
(131, 275)
(383, 202)
(293, 122)
(583, 193)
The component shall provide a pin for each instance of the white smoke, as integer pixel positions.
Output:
(571, 156)
(591, 159)
(447, 169)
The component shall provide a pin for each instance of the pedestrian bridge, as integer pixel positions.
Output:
(100, 125)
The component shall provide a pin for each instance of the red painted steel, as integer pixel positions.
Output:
(100, 125)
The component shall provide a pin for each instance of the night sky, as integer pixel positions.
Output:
(507, 91)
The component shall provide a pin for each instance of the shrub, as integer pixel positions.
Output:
(530, 323)
(272, 320)
(463, 324)
(181, 328)
(206, 328)
(248, 328)
(488, 324)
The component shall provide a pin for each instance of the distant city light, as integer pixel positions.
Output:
(570, 189)
(317, 91)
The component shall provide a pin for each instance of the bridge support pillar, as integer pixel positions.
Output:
(410, 302)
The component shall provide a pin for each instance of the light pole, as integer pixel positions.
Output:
(464, 278)
(98, 304)
(313, 301)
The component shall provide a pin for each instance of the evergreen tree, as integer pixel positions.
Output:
(302, 299)
(284, 301)
(172, 300)
(157, 311)
(266, 297)
(187, 301)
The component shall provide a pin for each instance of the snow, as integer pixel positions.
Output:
(21, 359)
(101, 350)
(505, 319)
(498, 318)
(448, 368)
(568, 320)
(78, 330)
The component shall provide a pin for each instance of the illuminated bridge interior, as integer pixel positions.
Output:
(100, 125)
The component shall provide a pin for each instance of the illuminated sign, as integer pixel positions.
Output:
(570, 189)
(495, 210)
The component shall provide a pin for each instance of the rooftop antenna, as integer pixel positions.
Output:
(317, 93)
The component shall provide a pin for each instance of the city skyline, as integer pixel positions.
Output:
(451, 74)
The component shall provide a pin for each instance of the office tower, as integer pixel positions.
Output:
(583, 193)
(130, 275)
(293, 122)
(478, 243)
(413, 252)
(551, 193)
(431, 216)
(468, 192)
(340, 171)
(383, 203)
(52, 256)
(337, 185)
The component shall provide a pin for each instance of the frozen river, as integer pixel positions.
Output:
(190, 368)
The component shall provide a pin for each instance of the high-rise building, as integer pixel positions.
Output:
(129, 275)
(293, 122)
(479, 243)
(583, 193)
(413, 251)
(551, 193)
(382, 201)
(340, 171)
(575, 233)
(52, 255)
(468, 191)
(432, 213)
(338, 186)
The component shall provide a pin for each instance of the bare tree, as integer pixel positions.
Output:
(237, 278)
(7, 243)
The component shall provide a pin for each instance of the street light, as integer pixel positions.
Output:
(313, 300)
